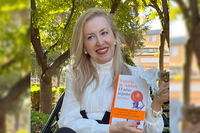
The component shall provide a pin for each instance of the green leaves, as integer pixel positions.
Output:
(174, 12)
(153, 15)
(14, 39)
(141, 9)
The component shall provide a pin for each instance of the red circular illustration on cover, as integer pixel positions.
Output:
(136, 96)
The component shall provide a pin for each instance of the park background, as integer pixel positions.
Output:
(18, 67)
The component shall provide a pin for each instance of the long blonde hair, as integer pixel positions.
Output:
(83, 70)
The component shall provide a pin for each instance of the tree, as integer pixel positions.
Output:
(161, 10)
(192, 19)
(14, 53)
(133, 32)
(50, 32)
(192, 45)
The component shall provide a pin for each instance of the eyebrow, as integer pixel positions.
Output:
(100, 31)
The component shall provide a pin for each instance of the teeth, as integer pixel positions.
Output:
(102, 51)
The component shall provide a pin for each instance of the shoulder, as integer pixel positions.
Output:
(69, 71)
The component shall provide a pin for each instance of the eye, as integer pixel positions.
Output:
(90, 37)
(104, 33)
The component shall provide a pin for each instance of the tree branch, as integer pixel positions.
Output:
(166, 20)
(114, 6)
(70, 17)
(160, 14)
(50, 71)
(185, 11)
(35, 40)
(195, 30)
(150, 5)
(195, 12)
(6, 65)
(15, 92)
(65, 28)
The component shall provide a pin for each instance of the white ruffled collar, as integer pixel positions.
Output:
(107, 67)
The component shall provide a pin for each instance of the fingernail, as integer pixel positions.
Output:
(138, 123)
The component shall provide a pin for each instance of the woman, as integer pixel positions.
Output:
(90, 81)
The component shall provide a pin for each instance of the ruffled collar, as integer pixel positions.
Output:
(107, 67)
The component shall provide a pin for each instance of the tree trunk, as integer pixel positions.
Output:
(2, 123)
(166, 20)
(195, 37)
(195, 32)
(46, 95)
(186, 78)
(16, 115)
(114, 6)
(161, 52)
(187, 72)
(12, 96)
(58, 80)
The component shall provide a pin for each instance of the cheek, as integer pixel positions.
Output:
(89, 46)
(113, 48)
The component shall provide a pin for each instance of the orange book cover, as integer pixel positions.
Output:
(129, 100)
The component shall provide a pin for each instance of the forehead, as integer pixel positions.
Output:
(95, 24)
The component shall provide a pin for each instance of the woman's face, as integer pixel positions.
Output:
(99, 40)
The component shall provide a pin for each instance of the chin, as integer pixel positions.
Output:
(106, 61)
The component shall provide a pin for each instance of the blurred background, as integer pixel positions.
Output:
(184, 65)
(14, 66)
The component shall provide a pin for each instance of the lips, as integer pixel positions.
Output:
(102, 50)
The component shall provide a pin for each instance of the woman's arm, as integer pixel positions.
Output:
(152, 124)
(154, 120)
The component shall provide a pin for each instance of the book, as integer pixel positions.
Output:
(129, 100)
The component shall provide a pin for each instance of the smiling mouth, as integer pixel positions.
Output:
(102, 50)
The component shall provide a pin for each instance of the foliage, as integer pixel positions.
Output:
(54, 90)
(52, 17)
(38, 121)
(34, 67)
(60, 90)
(14, 51)
(152, 7)
(35, 84)
(22, 131)
(14, 40)
(126, 56)
(14, 43)
(132, 28)
(35, 97)
(165, 129)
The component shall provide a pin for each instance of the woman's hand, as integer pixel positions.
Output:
(164, 97)
(125, 127)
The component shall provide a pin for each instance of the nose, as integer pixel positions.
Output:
(100, 41)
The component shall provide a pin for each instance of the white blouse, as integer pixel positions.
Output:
(98, 102)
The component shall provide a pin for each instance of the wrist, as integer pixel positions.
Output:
(156, 105)
(156, 114)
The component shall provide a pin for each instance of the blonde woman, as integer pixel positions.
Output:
(90, 81)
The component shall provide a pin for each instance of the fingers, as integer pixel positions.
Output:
(132, 127)
(127, 127)
(135, 130)
(163, 85)
(133, 124)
